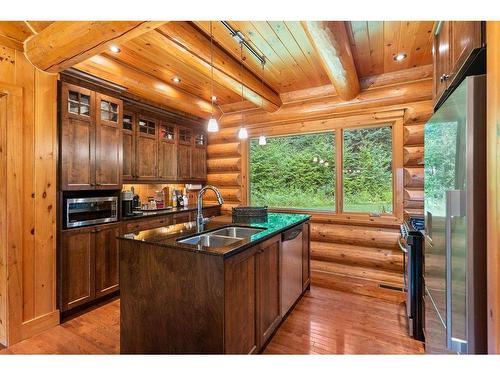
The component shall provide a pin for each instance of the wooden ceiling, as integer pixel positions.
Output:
(292, 63)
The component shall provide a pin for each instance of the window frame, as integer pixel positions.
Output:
(338, 125)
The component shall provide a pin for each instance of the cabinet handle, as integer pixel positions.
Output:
(444, 77)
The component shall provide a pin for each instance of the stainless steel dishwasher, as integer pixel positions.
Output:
(291, 267)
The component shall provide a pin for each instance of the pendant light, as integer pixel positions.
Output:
(262, 140)
(213, 126)
(242, 133)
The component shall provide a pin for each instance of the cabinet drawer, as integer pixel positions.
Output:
(144, 224)
(211, 212)
(183, 217)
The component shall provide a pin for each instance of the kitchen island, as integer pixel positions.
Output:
(214, 289)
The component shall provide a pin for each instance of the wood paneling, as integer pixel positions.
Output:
(375, 43)
(493, 169)
(29, 166)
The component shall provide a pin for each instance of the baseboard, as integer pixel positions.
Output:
(39, 324)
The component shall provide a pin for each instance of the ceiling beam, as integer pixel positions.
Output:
(326, 107)
(192, 46)
(64, 44)
(331, 42)
(146, 86)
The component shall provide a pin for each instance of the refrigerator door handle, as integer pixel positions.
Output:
(455, 207)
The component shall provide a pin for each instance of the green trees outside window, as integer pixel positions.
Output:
(367, 170)
(294, 172)
(299, 171)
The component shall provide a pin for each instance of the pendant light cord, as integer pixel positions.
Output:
(212, 69)
(241, 77)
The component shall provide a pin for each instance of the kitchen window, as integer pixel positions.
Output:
(296, 171)
(299, 171)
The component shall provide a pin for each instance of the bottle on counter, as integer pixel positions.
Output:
(174, 199)
(185, 200)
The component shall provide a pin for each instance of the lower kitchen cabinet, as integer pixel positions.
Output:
(268, 288)
(252, 297)
(77, 268)
(89, 264)
(107, 258)
(240, 307)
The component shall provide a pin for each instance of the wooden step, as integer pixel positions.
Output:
(393, 278)
(355, 285)
(361, 256)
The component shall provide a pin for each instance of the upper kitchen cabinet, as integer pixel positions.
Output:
(185, 149)
(77, 138)
(91, 143)
(108, 147)
(146, 152)
(454, 43)
(128, 134)
(199, 157)
(159, 148)
(167, 152)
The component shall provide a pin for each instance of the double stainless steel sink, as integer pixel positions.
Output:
(221, 237)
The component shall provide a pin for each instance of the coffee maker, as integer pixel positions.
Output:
(127, 203)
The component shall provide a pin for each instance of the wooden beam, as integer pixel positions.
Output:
(331, 42)
(493, 173)
(64, 44)
(145, 86)
(191, 45)
(325, 107)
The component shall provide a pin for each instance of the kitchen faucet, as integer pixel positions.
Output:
(200, 220)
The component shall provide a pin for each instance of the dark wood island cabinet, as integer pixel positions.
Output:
(176, 299)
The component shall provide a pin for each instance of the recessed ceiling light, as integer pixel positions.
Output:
(176, 80)
(214, 98)
(115, 49)
(400, 57)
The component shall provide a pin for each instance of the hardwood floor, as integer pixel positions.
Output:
(324, 321)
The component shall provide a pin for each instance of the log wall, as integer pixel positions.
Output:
(348, 253)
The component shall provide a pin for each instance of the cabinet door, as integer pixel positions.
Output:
(167, 152)
(146, 149)
(184, 161)
(77, 138)
(77, 267)
(128, 135)
(268, 289)
(441, 53)
(106, 259)
(465, 37)
(240, 308)
(199, 157)
(108, 142)
(306, 257)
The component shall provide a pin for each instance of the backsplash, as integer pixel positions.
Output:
(148, 190)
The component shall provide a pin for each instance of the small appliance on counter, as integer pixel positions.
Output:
(249, 215)
(411, 243)
(127, 203)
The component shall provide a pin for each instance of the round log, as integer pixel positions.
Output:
(413, 194)
(413, 177)
(414, 134)
(224, 179)
(413, 155)
(223, 165)
(224, 150)
(355, 235)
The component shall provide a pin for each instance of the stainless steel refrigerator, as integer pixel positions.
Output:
(455, 222)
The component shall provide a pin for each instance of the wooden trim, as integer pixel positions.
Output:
(493, 178)
(3, 220)
(39, 324)
(12, 234)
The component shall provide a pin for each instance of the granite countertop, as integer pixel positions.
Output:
(168, 236)
(166, 211)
